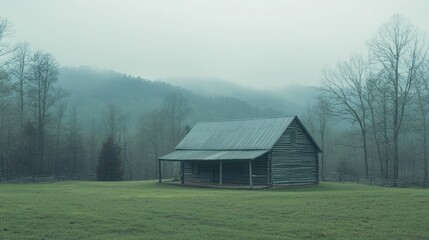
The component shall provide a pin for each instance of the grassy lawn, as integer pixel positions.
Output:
(147, 210)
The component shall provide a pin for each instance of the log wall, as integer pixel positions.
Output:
(294, 162)
(234, 172)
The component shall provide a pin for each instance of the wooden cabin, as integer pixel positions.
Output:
(264, 152)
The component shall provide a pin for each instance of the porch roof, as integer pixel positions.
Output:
(212, 155)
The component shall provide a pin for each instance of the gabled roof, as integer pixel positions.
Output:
(251, 134)
(233, 140)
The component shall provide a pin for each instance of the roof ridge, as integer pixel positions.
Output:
(245, 119)
(226, 150)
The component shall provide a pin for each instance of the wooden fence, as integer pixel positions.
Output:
(331, 178)
(44, 179)
(376, 181)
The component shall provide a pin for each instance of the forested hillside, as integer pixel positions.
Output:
(93, 90)
(292, 99)
(85, 106)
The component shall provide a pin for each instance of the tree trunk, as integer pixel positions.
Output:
(364, 144)
(395, 159)
(365, 152)
(425, 157)
(396, 124)
(386, 143)
(377, 141)
(21, 106)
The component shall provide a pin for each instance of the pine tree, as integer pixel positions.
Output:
(109, 162)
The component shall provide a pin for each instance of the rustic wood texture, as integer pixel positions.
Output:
(233, 172)
(182, 172)
(294, 162)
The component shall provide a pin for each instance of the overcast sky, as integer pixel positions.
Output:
(265, 44)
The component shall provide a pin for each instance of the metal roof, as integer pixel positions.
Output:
(251, 134)
(180, 155)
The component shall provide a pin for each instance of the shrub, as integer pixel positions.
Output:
(109, 162)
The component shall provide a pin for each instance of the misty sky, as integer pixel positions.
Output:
(264, 44)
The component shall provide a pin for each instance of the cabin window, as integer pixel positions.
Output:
(292, 137)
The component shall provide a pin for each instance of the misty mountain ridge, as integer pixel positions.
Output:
(291, 99)
(93, 90)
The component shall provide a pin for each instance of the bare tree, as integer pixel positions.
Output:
(124, 140)
(151, 134)
(381, 123)
(309, 119)
(373, 95)
(18, 68)
(6, 109)
(74, 144)
(323, 112)
(60, 111)
(5, 86)
(175, 110)
(422, 95)
(92, 141)
(43, 75)
(5, 49)
(113, 122)
(398, 52)
(346, 87)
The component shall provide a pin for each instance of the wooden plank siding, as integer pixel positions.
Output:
(294, 162)
(234, 172)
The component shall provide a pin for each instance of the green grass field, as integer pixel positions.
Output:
(148, 210)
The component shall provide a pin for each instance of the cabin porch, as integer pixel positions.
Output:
(223, 173)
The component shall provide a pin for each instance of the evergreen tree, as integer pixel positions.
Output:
(109, 162)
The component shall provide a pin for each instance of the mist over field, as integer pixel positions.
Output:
(150, 69)
(105, 90)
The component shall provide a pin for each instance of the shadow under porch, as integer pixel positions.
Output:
(225, 173)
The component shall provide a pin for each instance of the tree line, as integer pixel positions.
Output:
(375, 106)
(370, 119)
(41, 134)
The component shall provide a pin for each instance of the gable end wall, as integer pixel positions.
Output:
(294, 163)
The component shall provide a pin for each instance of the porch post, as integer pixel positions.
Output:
(250, 173)
(220, 172)
(182, 172)
(159, 171)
